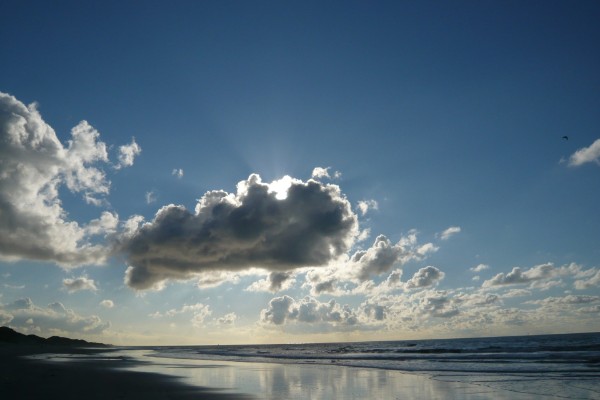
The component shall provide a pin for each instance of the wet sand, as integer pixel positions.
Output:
(22, 377)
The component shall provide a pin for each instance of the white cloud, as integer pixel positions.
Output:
(544, 285)
(200, 315)
(227, 319)
(383, 255)
(78, 284)
(107, 303)
(480, 268)
(150, 197)
(307, 310)
(566, 300)
(537, 273)
(516, 293)
(13, 287)
(324, 280)
(391, 283)
(593, 281)
(438, 304)
(363, 235)
(178, 172)
(53, 319)
(106, 224)
(365, 205)
(320, 172)
(451, 231)
(199, 312)
(127, 154)
(5, 317)
(377, 259)
(35, 165)
(425, 277)
(475, 299)
(586, 154)
(262, 225)
(372, 311)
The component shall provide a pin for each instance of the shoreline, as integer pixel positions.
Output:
(27, 378)
(129, 373)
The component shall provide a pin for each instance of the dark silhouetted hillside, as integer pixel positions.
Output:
(8, 335)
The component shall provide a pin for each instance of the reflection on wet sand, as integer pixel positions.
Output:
(313, 381)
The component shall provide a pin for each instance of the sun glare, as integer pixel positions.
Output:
(280, 187)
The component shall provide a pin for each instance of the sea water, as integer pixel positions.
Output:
(556, 366)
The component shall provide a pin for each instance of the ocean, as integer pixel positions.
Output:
(556, 366)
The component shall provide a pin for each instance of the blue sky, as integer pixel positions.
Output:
(424, 147)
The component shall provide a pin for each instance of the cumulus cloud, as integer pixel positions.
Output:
(365, 205)
(377, 260)
(475, 299)
(51, 320)
(280, 226)
(107, 303)
(565, 302)
(200, 315)
(5, 317)
(178, 172)
(78, 284)
(227, 319)
(307, 310)
(127, 154)
(34, 166)
(453, 230)
(371, 289)
(438, 304)
(320, 172)
(480, 268)
(323, 280)
(592, 281)
(425, 277)
(535, 275)
(373, 311)
(383, 255)
(274, 282)
(586, 154)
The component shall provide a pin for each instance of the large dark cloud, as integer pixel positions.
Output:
(279, 226)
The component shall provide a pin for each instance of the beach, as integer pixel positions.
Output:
(131, 373)
(29, 372)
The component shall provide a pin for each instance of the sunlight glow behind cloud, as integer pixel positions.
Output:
(313, 225)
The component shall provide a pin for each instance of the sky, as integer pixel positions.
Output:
(277, 172)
